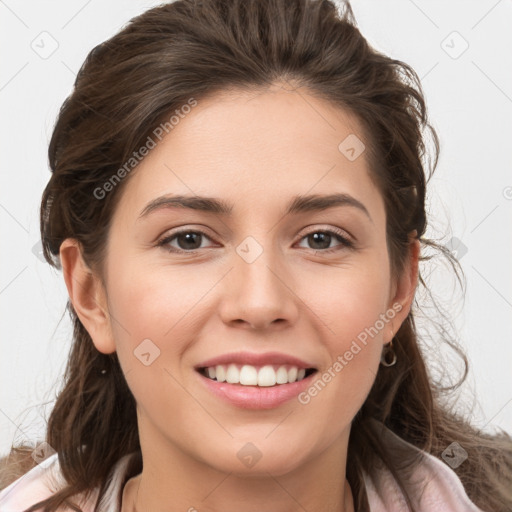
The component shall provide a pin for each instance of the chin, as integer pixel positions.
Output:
(250, 462)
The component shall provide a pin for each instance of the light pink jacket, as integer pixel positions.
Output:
(440, 489)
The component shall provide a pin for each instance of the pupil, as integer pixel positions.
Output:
(189, 238)
(323, 238)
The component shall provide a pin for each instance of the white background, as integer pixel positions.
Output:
(470, 104)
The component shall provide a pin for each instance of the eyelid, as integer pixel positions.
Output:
(313, 228)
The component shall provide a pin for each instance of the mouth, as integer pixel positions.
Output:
(249, 380)
(256, 376)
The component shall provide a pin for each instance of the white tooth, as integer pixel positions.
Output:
(292, 374)
(282, 375)
(266, 376)
(248, 375)
(220, 373)
(233, 374)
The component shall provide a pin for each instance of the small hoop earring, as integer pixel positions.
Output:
(388, 357)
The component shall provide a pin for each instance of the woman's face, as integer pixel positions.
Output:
(255, 280)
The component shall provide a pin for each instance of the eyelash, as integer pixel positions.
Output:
(345, 242)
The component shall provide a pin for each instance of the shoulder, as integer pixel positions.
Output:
(35, 485)
(45, 479)
(432, 486)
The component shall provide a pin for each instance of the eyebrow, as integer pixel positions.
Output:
(298, 204)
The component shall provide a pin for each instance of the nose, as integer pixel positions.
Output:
(259, 295)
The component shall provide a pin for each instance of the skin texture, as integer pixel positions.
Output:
(294, 298)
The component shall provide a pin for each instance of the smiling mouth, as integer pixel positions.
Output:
(260, 376)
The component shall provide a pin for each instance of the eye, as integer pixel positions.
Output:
(190, 240)
(322, 240)
(187, 240)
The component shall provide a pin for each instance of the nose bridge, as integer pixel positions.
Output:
(258, 289)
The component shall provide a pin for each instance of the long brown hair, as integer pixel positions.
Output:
(127, 87)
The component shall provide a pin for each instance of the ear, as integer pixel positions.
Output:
(402, 294)
(88, 296)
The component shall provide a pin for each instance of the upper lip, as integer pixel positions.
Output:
(254, 359)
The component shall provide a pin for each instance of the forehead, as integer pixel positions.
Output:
(251, 147)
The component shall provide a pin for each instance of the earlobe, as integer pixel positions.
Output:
(87, 294)
(406, 286)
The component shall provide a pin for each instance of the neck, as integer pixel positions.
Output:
(131, 501)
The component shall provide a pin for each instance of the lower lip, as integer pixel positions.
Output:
(255, 397)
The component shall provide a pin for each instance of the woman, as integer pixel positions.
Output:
(238, 207)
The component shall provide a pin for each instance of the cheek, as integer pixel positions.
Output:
(152, 316)
(152, 327)
(354, 344)
(349, 299)
(352, 305)
(153, 301)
